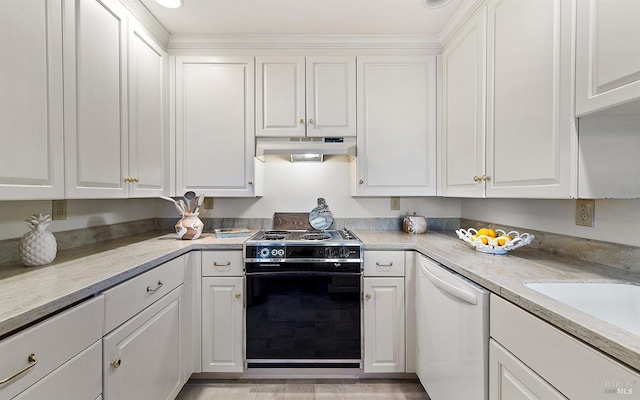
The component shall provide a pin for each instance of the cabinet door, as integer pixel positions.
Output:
(396, 127)
(148, 147)
(607, 54)
(510, 379)
(331, 96)
(531, 135)
(95, 97)
(222, 324)
(31, 138)
(215, 142)
(280, 96)
(384, 329)
(463, 111)
(141, 358)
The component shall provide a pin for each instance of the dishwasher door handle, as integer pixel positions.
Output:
(463, 293)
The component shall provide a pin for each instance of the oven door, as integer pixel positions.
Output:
(303, 319)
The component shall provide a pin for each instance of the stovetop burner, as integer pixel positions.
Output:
(315, 236)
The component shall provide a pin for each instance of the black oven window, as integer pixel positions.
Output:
(303, 317)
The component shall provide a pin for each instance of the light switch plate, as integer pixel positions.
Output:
(208, 203)
(585, 210)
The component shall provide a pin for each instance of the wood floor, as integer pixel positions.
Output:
(303, 389)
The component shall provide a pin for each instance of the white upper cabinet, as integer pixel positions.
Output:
(95, 99)
(31, 137)
(607, 54)
(531, 135)
(312, 96)
(116, 138)
(215, 142)
(396, 127)
(463, 123)
(148, 134)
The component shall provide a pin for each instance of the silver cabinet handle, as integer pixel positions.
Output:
(32, 359)
(149, 290)
(215, 264)
(385, 265)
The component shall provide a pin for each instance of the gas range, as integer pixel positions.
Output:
(307, 249)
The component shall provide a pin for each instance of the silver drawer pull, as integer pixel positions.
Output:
(32, 359)
(385, 265)
(149, 290)
(215, 264)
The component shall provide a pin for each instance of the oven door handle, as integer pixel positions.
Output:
(302, 273)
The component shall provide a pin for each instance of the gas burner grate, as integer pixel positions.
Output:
(272, 236)
(276, 232)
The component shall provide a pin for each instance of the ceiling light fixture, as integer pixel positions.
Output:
(170, 3)
(435, 3)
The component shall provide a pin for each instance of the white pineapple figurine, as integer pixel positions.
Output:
(38, 247)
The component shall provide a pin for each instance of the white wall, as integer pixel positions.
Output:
(615, 220)
(295, 187)
(80, 214)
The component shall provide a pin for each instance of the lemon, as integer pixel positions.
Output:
(487, 232)
(502, 240)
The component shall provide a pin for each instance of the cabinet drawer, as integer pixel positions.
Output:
(79, 378)
(578, 371)
(52, 342)
(129, 298)
(384, 263)
(222, 263)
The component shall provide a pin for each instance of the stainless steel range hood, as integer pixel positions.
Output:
(305, 146)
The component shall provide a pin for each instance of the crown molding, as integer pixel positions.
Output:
(148, 20)
(459, 19)
(293, 41)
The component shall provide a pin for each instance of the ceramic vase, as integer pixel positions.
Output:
(189, 227)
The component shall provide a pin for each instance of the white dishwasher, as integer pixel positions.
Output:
(452, 334)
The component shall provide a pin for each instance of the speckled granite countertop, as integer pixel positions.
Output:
(28, 294)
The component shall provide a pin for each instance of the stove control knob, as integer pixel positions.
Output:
(344, 252)
(264, 252)
(274, 252)
(330, 252)
(280, 252)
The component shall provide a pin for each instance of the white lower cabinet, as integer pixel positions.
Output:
(531, 359)
(145, 349)
(78, 378)
(58, 358)
(142, 357)
(384, 311)
(513, 380)
(222, 336)
(222, 311)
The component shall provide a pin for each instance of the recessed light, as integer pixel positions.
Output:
(435, 3)
(170, 3)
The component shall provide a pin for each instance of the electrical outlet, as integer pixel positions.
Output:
(58, 209)
(585, 210)
(394, 203)
(208, 203)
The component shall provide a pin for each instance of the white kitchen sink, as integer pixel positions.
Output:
(615, 303)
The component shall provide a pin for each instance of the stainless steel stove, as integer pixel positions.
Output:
(304, 250)
(304, 299)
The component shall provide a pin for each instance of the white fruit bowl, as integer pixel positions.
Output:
(492, 246)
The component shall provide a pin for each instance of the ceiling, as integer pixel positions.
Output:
(363, 17)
